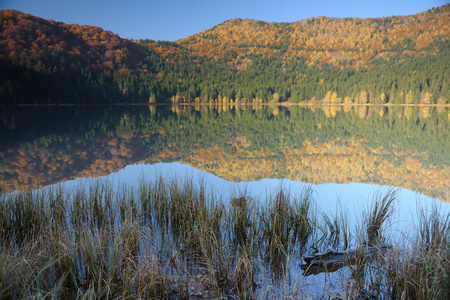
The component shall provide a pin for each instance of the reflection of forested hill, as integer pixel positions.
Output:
(401, 146)
(335, 161)
(395, 59)
(68, 143)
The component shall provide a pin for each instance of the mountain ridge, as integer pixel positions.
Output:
(318, 59)
(324, 32)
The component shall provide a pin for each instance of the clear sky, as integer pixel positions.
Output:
(174, 19)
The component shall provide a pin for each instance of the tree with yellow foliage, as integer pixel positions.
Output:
(426, 98)
(276, 97)
(409, 98)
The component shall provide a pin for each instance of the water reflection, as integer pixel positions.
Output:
(353, 199)
(350, 203)
(401, 146)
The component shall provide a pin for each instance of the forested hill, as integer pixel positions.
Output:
(401, 59)
(340, 42)
(48, 61)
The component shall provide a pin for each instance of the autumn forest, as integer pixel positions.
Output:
(398, 60)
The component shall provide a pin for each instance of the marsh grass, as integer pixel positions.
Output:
(381, 208)
(287, 222)
(174, 240)
(367, 274)
(423, 273)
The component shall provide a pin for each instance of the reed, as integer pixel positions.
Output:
(422, 272)
(173, 240)
(243, 220)
(334, 230)
(287, 222)
(301, 217)
(378, 213)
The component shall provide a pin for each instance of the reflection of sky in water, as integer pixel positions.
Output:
(353, 199)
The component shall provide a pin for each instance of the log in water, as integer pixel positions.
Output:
(333, 260)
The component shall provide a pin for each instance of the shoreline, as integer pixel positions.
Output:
(281, 104)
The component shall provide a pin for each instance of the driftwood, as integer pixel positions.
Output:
(332, 260)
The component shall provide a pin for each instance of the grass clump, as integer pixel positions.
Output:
(380, 210)
(287, 222)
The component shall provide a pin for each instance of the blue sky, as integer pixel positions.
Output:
(174, 19)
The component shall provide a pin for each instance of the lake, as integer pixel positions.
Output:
(345, 157)
(407, 147)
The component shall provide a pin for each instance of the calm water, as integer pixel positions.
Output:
(406, 147)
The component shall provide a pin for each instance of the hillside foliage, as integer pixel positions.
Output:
(400, 59)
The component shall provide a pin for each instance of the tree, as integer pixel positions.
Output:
(409, 98)
(427, 98)
(363, 97)
(276, 97)
(383, 97)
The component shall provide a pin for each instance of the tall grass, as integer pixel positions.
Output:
(381, 208)
(173, 240)
(287, 222)
(423, 272)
